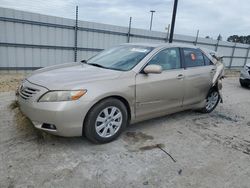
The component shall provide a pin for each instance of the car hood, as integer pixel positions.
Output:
(70, 76)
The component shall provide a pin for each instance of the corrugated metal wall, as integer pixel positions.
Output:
(30, 40)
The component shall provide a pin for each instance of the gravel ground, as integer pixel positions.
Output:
(186, 149)
(9, 82)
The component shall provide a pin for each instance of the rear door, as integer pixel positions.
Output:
(160, 93)
(198, 75)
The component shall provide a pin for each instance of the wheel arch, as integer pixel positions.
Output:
(122, 99)
(216, 87)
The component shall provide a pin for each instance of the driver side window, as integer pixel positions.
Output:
(168, 59)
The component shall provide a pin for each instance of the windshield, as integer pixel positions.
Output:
(120, 58)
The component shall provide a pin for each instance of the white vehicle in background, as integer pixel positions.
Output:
(245, 76)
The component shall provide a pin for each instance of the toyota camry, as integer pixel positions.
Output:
(122, 85)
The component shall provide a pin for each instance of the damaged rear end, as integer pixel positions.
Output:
(217, 59)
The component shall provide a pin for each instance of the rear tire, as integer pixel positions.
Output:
(212, 101)
(105, 121)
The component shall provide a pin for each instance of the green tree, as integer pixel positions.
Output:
(239, 39)
(233, 38)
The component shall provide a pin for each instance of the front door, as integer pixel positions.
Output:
(160, 93)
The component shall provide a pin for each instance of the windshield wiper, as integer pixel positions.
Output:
(83, 61)
(97, 65)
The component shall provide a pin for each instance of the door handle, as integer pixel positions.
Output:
(212, 70)
(180, 76)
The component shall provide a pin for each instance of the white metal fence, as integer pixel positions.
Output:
(29, 40)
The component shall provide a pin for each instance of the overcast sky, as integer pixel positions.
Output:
(211, 17)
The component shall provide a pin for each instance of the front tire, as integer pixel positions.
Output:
(212, 101)
(106, 121)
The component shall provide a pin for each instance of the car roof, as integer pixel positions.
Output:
(209, 53)
(161, 45)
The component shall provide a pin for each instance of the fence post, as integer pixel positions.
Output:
(76, 28)
(231, 60)
(196, 39)
(129, 29)
(173, 21)
(216, 45)
(167, 33)
(248, 49)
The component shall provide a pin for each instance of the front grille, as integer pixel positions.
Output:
(27, 92)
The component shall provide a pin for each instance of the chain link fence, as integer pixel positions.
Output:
(29, 41)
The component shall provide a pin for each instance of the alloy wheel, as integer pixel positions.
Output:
(108, 122)
(212, 100)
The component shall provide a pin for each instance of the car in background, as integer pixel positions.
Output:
(245, 76)
(128, 83)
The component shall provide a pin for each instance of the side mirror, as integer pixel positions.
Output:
(153, 69)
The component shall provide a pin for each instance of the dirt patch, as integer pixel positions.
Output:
(205, 128)
(215, 119)
(232, 118)
(150, 147)
(233, 142)
(232, 72)
(10, 82)
(25, 125)
(135, 140)
(22, 122)
(157, 146)
(13, 105)
(137, 136)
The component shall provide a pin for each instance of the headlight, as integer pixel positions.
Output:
(56, 96)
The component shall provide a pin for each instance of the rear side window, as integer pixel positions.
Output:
(193, 57)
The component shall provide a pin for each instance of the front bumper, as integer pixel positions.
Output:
(67, 116)
(245, 74)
